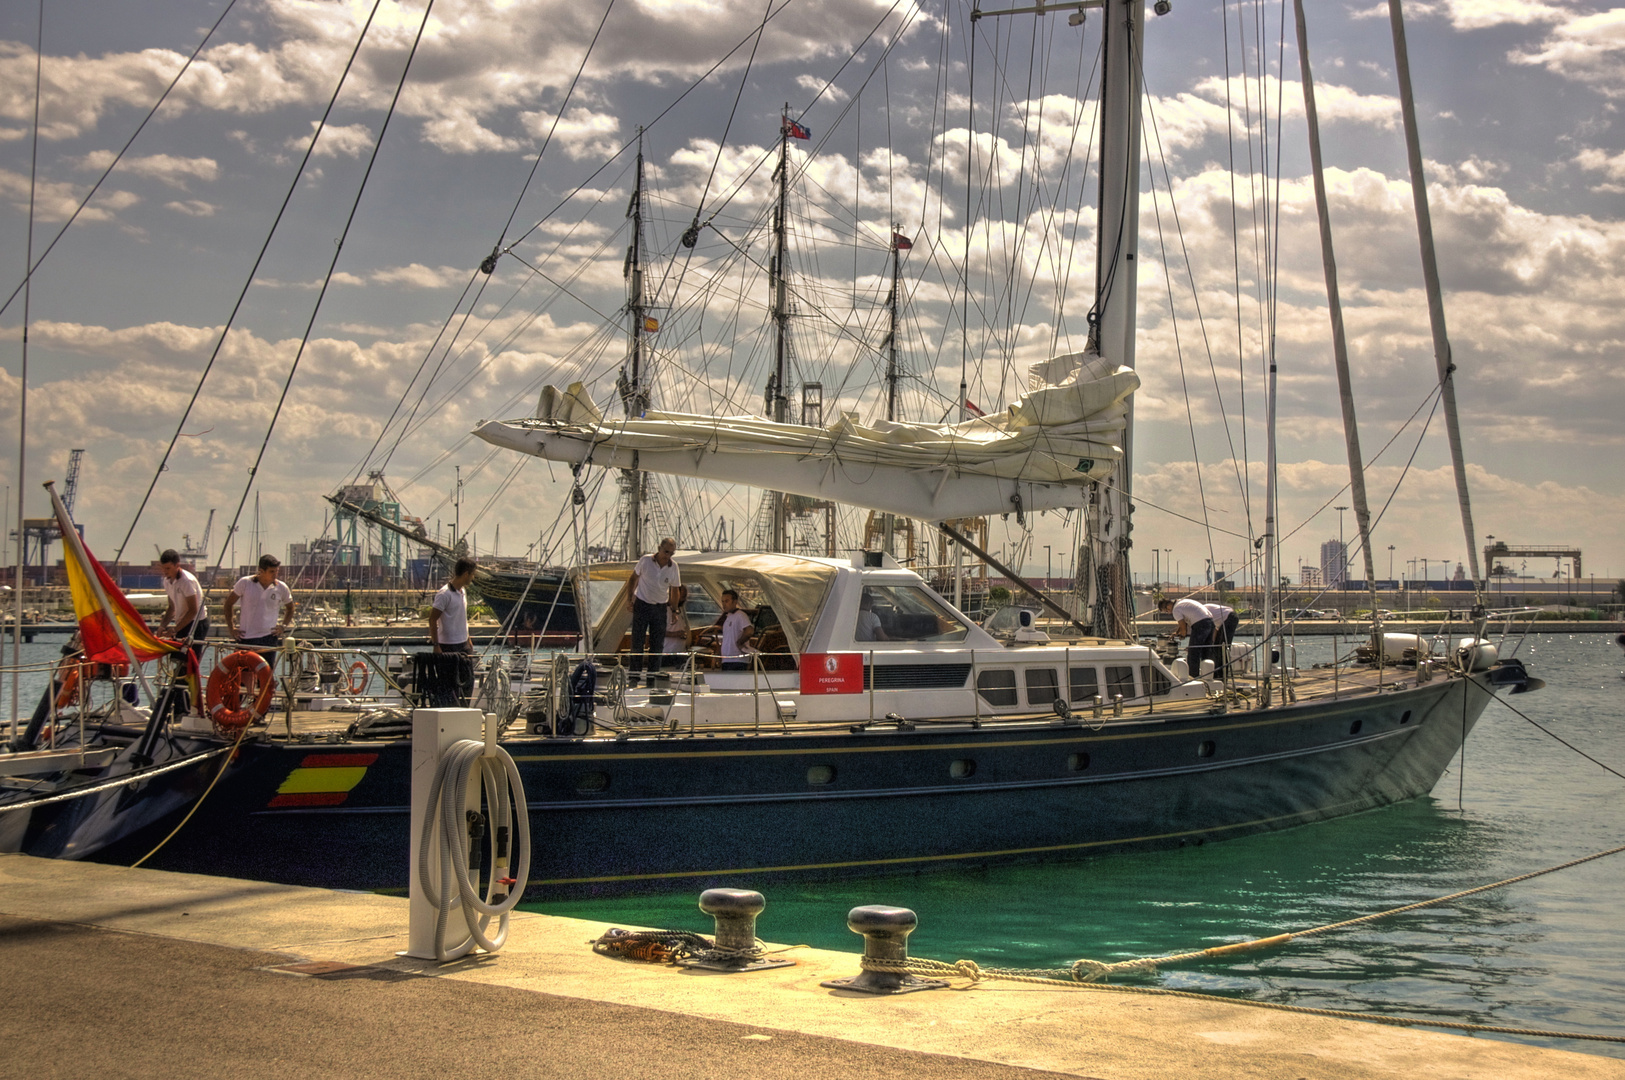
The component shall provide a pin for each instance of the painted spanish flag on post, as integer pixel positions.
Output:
(104, 628)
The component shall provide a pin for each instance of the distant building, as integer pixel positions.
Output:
(1461, 573)
(1311, 577)
(1334, 556)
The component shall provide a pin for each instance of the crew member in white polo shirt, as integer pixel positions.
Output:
(652, 595)
(267, 609)
(448, 616)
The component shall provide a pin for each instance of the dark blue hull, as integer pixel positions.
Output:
(644, 815)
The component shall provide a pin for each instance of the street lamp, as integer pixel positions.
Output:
(1049, 566)
(1390, 562)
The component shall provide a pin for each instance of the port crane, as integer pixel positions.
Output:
(199, 553)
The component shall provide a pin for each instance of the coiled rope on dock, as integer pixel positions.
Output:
(670, 946)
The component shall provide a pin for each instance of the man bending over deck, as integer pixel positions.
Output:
(1193, 617)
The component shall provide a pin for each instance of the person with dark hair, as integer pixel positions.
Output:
(448, 615)
(733, 632)
(185, 608)
(650, 595)
(267, 609)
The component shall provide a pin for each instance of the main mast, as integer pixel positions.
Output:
(634, 392)
(1112, 320)
(778, 402)
(888, 522)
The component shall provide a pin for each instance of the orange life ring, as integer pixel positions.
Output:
(69, 694)
(359, 670)
(225, 690)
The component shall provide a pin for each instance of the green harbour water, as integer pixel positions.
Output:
(1545, 953)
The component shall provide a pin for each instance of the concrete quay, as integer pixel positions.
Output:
(143, 973)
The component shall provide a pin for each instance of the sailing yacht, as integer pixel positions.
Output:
(868, 697)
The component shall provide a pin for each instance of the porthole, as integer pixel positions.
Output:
(1205, 748)
(962, 768)
(821, 774)
(1077, 762)
(1354, 728)
(592, 781)
(1405, 718)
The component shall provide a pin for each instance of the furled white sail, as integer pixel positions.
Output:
(1040, 454)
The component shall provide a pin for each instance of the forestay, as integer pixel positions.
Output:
(1041, 453)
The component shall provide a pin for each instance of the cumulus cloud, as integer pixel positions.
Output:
(1611, 166)
(171, 170)
(55, 200)
(478, 60)
(1475, 14)
(1586, 48)
(192, 207)
(350, 140)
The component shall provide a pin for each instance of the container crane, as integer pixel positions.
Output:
(198, 554)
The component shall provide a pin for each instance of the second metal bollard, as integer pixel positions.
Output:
(737, 949)
(885, 933)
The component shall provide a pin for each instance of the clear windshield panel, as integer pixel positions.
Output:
(905, 613)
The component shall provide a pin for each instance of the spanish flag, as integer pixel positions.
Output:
(99, 625)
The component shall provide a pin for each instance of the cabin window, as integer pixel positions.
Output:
(1155, 679)
(821, 774)
(1354, 728)
(590, 782)
(1041, 687)
(1077, 762)
(1085, 684)
(1205, 748)
(962, 769)
(1119, 681)
(905, 613)
(997, 687)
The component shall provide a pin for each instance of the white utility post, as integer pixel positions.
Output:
(433, 732)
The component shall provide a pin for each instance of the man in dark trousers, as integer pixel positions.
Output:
(653, 592)
(1207, 633)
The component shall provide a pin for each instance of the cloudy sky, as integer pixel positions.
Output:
(1518, 103)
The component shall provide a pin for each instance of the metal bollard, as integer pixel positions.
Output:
(735, 912)
(885, 933)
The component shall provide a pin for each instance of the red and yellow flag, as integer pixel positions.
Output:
(96, 623)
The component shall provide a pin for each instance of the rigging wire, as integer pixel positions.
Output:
(163, 462)
(338, 249)
(30, 262)
(22, 385)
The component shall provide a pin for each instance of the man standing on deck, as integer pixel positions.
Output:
(653, 592)
(448, 616)
(185, 602)
(267, 609)
(186, 610)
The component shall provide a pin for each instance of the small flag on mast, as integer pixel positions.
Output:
(901, 242)
(970, 407)
(795, 130)
(650, 323)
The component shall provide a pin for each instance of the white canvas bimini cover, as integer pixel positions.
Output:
(1039, 454)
